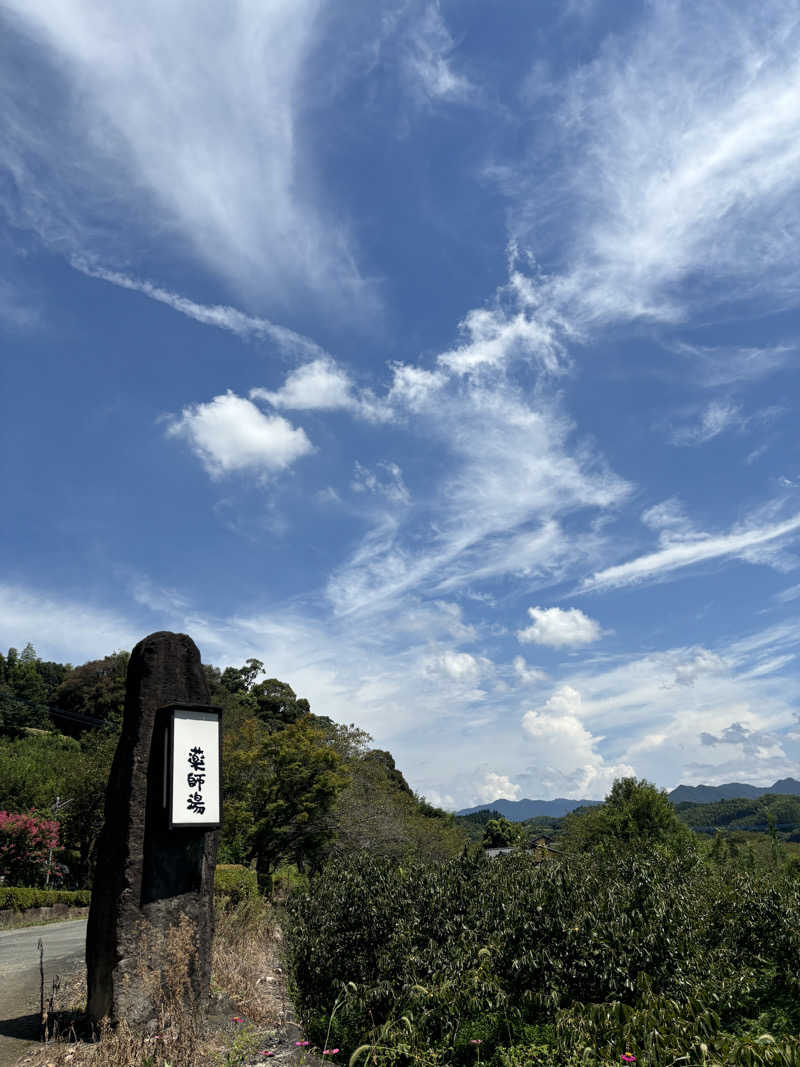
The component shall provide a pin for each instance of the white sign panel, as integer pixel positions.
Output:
(195, 787)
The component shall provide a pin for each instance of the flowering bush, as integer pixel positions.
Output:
(27, 844)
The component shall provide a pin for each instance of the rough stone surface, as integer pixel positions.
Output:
(146, 873)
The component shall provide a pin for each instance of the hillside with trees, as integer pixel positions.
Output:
(298, 787)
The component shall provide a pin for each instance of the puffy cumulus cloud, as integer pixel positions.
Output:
(461, 667)
(316, 386)
(496, 787)
(324, 385)
(441, 800)
(566, 751)
(559, 628)
(230, 433)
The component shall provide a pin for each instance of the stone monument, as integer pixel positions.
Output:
(152, 869)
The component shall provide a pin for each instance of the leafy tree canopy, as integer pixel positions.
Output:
(635, 813)
(500, 833)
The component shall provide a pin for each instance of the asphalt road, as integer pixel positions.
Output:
(64, 946)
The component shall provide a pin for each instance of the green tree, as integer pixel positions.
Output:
(717, 851)
(95, 689)
(635, 813)
(501, 833)
(280, 787)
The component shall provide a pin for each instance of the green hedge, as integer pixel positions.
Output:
(20, 899)
(234, 882)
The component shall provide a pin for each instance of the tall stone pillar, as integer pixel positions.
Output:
(146, 871)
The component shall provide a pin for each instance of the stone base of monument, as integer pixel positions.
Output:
(152, 884)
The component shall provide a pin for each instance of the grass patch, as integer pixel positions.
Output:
(248, 1002)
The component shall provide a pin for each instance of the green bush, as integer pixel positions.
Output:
(20, 898)
(235, 883)
(589, 955)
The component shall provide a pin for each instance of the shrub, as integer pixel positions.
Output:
(235, 882)
(531, 960)
(27, 844)
(20, 899)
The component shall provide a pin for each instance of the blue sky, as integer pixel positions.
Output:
(441, 355)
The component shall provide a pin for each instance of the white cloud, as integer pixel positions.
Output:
(718, 416)
(415, 388)
(17, 311)
(670, 175)
(427, 62)
(323, 385)
(733, 365)
(496, 787)
(484, 517)
(527, 675)
(222, 316)
(461, 667)
(183, 117)
(495, 338)
(703, 662)
(685, 554)
(230, 434)
(790, 593)
(609, 717)
(565, 748)
(317, 386)
(670, 521)
(387, 482)
(64, 630)
(633, 699)
(558, 628)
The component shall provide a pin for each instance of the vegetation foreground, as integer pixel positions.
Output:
(598, 958)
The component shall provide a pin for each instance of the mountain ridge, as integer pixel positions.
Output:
(519, 810)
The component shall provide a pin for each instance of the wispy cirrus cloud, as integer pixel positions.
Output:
(222, 316)
(718, 416)
(428, 59)
(686, 553)
(733, 365)
(485, 517)
(183, 118)
(673, 163)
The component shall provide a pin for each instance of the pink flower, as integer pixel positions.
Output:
(475, 1041)
(329, 1051)
(628, 1058)
(302, 1044)
(266, 1052)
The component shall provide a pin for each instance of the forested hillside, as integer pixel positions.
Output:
(298, 786)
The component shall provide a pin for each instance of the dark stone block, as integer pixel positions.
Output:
(146, 873)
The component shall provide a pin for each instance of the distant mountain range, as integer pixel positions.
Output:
(519, 810)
